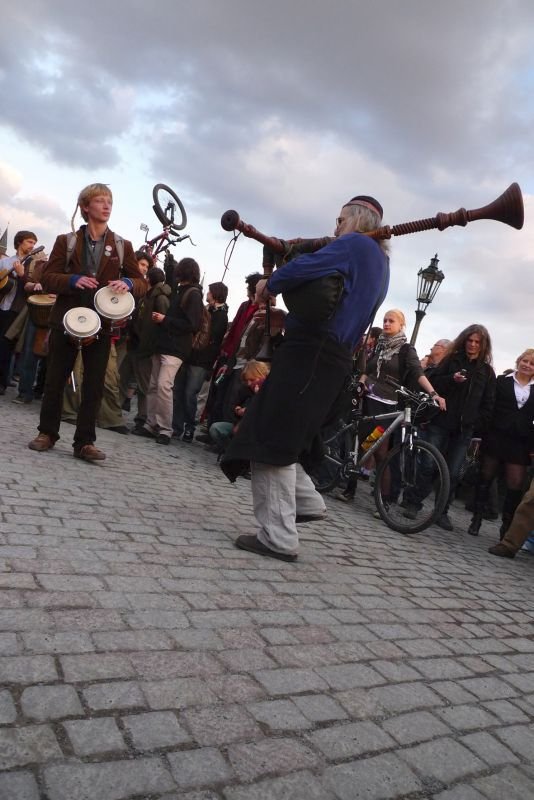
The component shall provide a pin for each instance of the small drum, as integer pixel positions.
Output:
(113, 306)
(82, 326)
(39, 309)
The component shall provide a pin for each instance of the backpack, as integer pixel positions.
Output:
(71, 247)
(202, 337)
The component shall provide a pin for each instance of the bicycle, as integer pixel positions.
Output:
(341, 461)
(166, 205)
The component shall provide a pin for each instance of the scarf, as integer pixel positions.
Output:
(387, 347)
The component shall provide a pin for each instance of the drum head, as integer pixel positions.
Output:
(81, 322)
(112, 305)
(41, 300)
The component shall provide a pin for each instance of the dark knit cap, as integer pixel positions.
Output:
(368, 201)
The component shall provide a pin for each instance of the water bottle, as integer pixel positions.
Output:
(373, 436)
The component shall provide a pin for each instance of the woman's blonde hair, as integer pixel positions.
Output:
(399, 315)
(528, 352)
(85, 196)
(253, 370)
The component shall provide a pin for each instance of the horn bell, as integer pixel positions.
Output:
(507, 208)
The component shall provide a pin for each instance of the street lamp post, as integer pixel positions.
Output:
(428, 282)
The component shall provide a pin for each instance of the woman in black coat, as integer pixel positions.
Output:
(509, 440)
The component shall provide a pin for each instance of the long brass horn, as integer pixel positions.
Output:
(508, 208)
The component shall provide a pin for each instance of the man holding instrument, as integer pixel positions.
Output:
(280, 431)
(79, 264)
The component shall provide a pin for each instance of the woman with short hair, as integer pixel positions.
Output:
(508, 441)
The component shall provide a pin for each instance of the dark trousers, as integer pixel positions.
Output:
(453, 445)
(187, 384)
(61, 357)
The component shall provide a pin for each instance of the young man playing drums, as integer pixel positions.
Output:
(75, 270)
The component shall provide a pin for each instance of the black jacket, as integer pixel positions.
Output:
(182, 320)
(507, 417)
(470, 403)
(145, 332)
(219, 323)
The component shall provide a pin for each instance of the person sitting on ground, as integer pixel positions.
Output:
(222, 370)
(253, 376)
(508, 441)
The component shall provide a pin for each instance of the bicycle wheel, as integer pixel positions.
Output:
(166, 206)
(333, 467)
(404, 463)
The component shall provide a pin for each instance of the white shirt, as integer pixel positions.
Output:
(521, 392)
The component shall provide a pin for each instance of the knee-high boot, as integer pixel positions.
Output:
(512, 499)
(481, 496)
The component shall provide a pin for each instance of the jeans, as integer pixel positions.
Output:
(453, 445)
(187, 385)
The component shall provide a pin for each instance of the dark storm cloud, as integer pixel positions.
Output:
(415, 85)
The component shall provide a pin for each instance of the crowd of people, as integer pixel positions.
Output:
(193, 376)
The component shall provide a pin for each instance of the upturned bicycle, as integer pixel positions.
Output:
(170, 211)
(344, 460)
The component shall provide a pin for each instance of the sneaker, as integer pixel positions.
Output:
(119, 429)
(162, 438)
(188, 436)
(445, 523)
(501, 550)
(20, 400)
(41, 443)
(204, 438)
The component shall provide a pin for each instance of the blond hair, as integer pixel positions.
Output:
(528, 352)
(398, 314)
(254, 370)
(85, 196)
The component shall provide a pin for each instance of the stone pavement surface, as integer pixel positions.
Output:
(143, 656)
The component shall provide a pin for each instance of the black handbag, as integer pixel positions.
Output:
(314, 302)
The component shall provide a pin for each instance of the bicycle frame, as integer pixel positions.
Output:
(400, 419)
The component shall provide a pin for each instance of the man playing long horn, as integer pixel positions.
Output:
(279, 433)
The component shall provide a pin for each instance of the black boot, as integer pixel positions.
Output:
(481, 495)
(476, 521)
(512, 499)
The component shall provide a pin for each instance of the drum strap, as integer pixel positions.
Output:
(71, 247)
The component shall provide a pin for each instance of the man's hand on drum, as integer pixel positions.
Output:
(119, 286)
(86, 282)
(158, 318)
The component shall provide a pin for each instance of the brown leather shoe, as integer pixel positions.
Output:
(89, 453)
(41, 443)
(501, 550)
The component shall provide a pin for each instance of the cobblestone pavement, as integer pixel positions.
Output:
(143, 656)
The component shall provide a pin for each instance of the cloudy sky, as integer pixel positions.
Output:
(283, 111)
